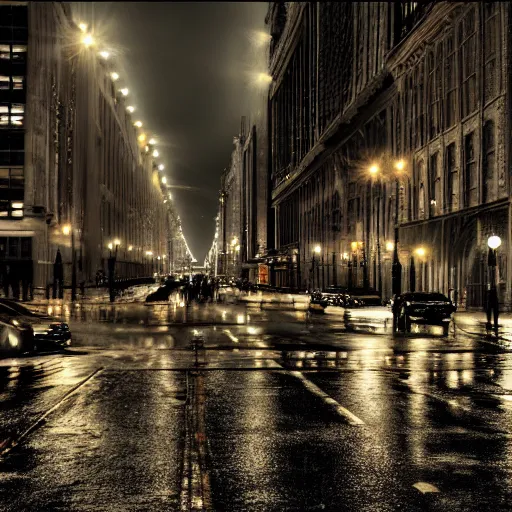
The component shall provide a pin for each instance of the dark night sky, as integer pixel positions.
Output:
(187, 66)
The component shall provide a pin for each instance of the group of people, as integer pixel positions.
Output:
(201, 288)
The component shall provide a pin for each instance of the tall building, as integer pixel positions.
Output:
(76, 175)
(387, 115)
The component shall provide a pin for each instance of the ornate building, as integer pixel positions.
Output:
(389, 115)
(75, 175)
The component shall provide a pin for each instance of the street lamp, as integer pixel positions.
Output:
(112, 267)
(317, 250)
(492, 306)
(396, 269)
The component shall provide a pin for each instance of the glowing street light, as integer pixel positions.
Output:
(114, 76)
(66, 229)
(390, 246)
(317, 249)
(264, 78)
(420, 251)
(149, 253)
(124, 91)
(156, 153)
(161, 167)
(494, 242)
(117, 242)
(164, 180)
(141, 137)
(138, 124)
(130, 109)
(399, 165)
(82, 26)
(110, 245)
(130, 247)
(87, 40)
(104, 54)
(152, 141)
(374, 169)
(170, 196)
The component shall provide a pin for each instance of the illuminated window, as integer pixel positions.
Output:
(4, 82)
(5, 52)
(19, 53)
(17, 83)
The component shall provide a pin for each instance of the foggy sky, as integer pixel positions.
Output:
(187, 67)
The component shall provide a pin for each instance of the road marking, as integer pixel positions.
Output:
(8, 444)
(425, 487)
(352, 419)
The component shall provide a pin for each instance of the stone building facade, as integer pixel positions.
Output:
(73, 173)
(378, 108)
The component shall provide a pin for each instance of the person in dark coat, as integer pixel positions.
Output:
(492, 308)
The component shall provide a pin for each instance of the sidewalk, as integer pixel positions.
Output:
(473, 322)
(99, 295)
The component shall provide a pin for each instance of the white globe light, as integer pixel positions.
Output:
(494, 241)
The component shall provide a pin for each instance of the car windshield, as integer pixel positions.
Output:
(426, 297)
(5, 310)
(18, 308)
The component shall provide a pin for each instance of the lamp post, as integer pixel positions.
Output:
(316, 250)
(112, 267)
(396, 269)
(492, 306)
(66, 230)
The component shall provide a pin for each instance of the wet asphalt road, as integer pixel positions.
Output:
(281, 411)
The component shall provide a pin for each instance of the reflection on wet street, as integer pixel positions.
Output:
(219, 407)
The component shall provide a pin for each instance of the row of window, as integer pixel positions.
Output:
(14, 247)
(476, 189)
(445, 88)
(12, 115)
(11, 192)
(13, 52)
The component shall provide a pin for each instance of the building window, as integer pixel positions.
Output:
(435, 185)
(489, 163)
(467, 39)
(15, 248)
(421, 190)
(12, 148)
(12, 115)
(471, 177)
(15, 53)
(11, 192)
(452, 179)
(491, 36)
(450, 75)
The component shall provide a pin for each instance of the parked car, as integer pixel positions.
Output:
(318, 302)
(47, 329)
(16, 336)
(425, 308)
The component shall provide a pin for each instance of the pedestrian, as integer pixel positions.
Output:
(492, 308)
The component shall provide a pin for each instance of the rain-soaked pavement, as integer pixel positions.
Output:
(276, 411)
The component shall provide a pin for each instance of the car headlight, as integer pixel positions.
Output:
(14, 341)
(15, 322)
(407, 303)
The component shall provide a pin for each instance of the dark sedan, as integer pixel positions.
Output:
(47, 330)
(422, 308)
